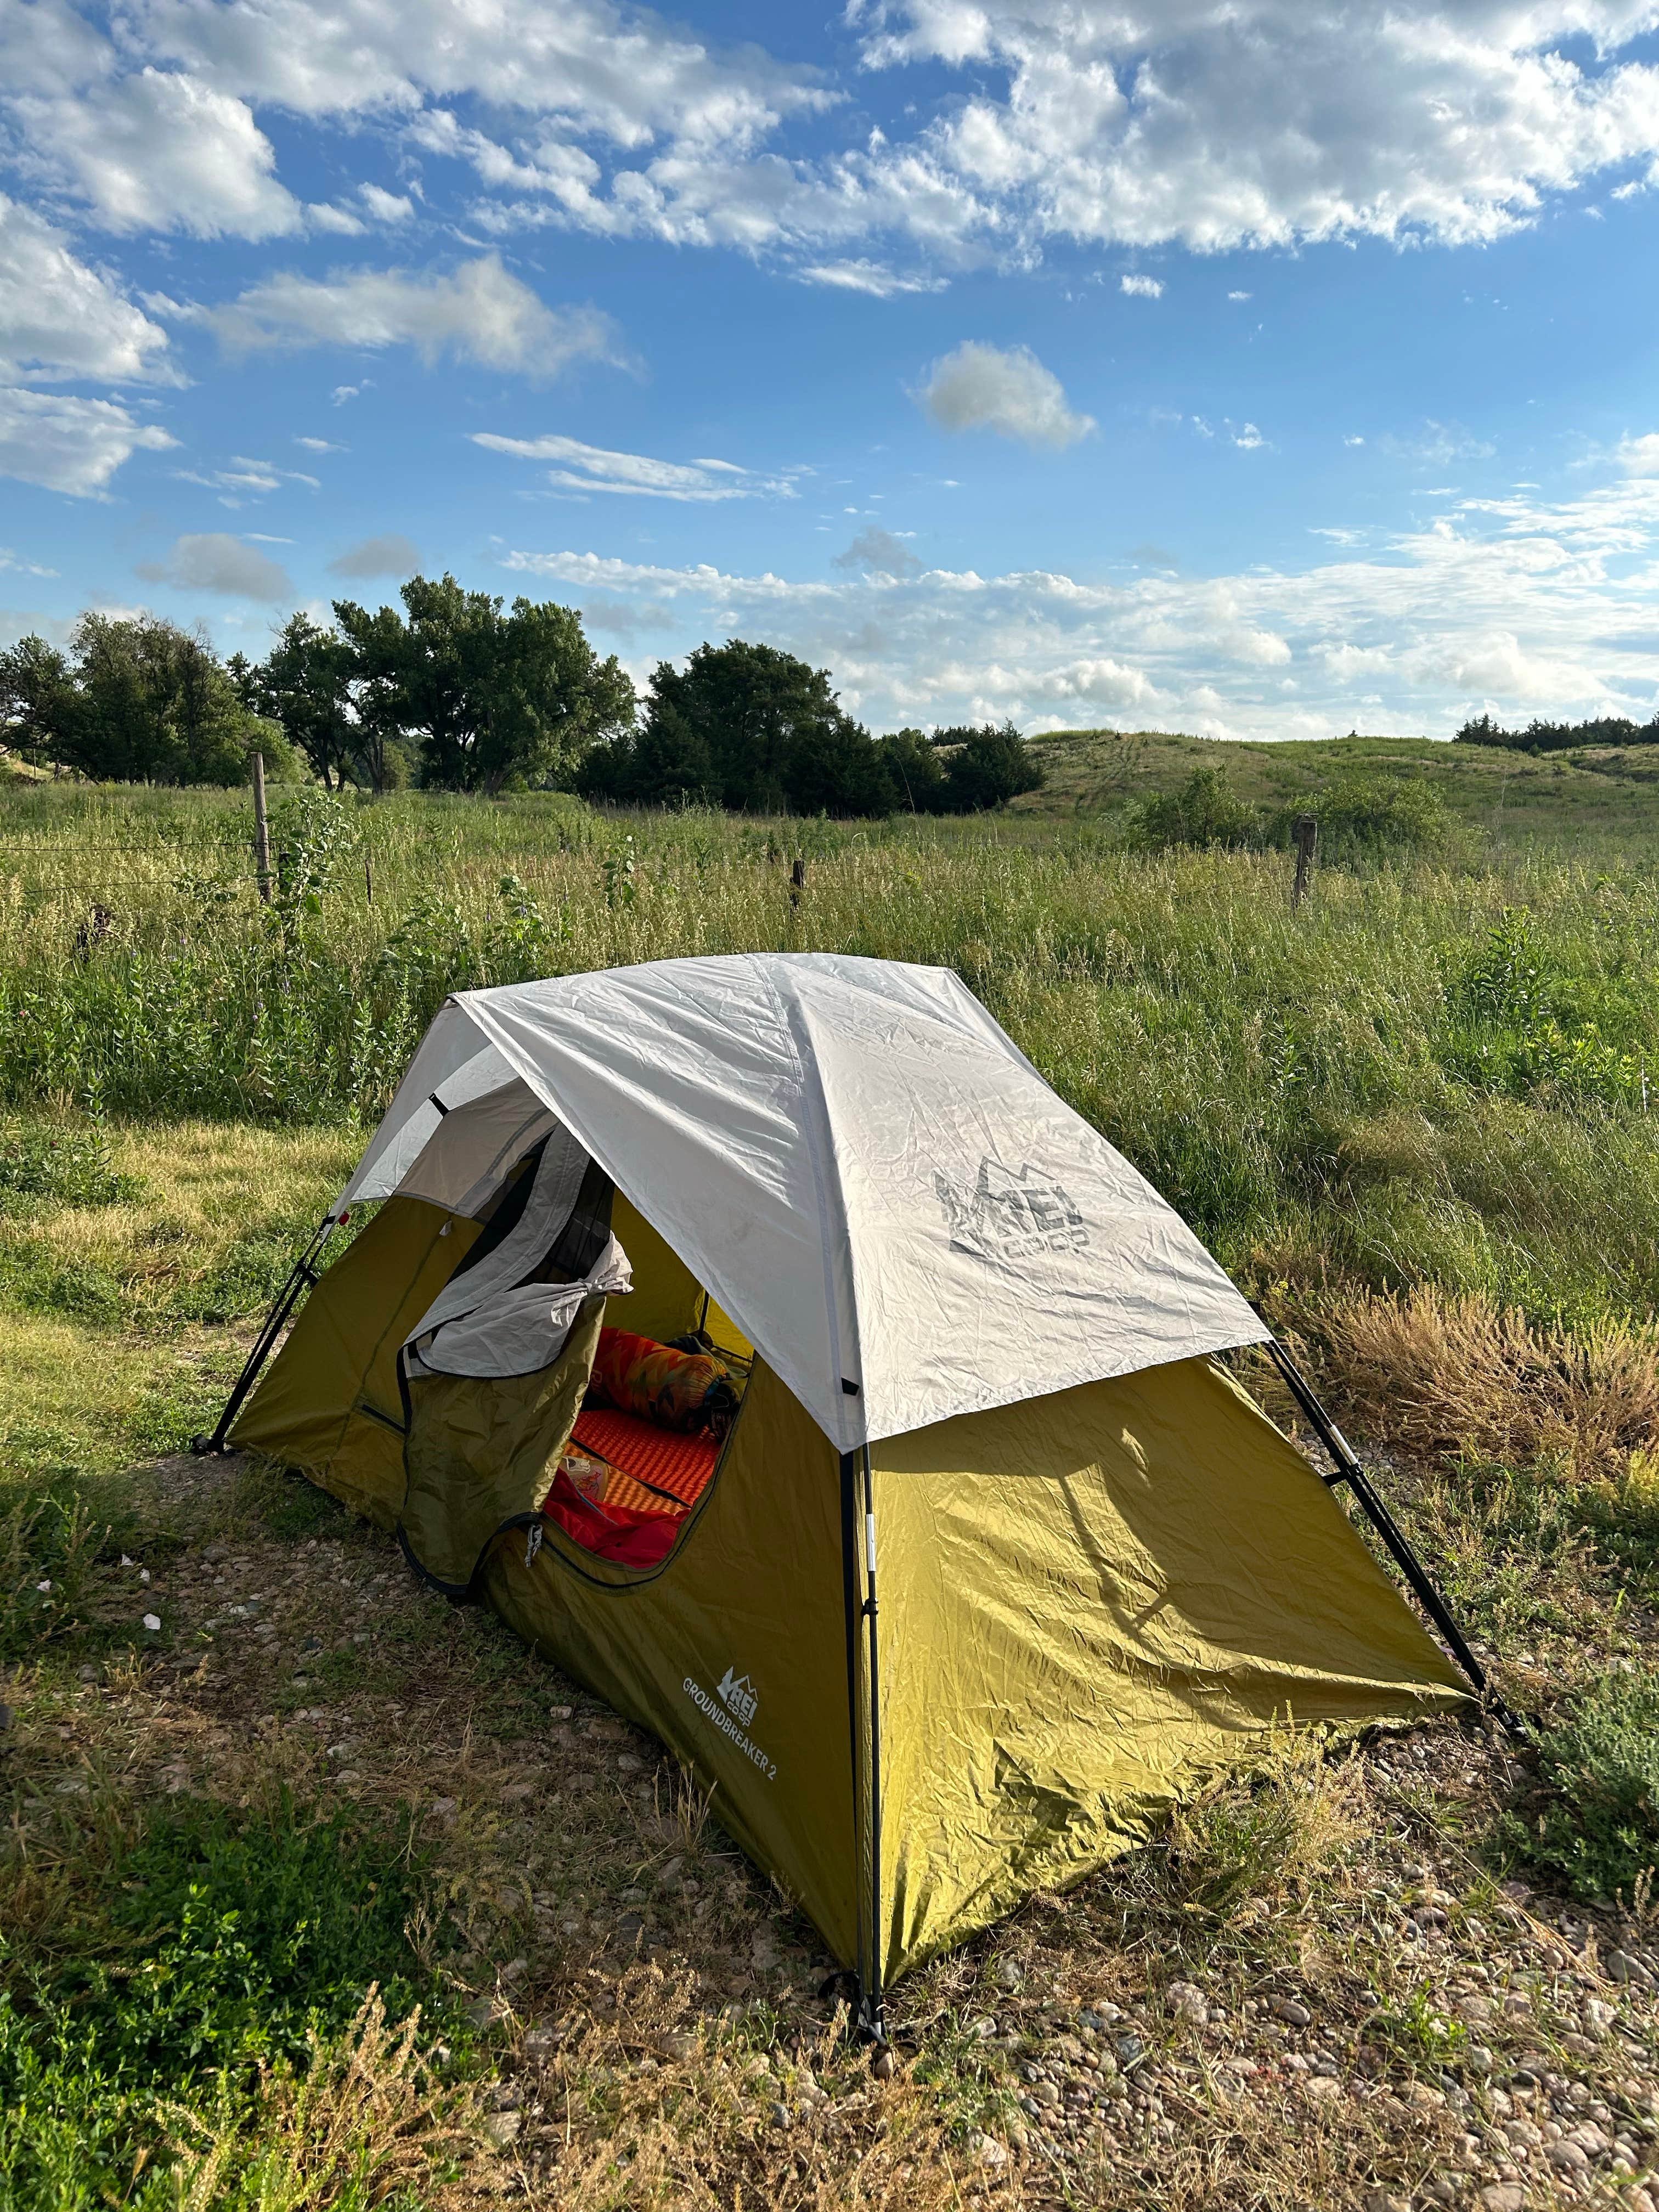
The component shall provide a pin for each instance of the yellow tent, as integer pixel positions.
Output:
(949, 1313)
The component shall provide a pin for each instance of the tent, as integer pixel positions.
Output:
(969, 1339)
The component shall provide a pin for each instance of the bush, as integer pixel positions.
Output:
(1367, 817)
(1597, 1827)
(1206, 811)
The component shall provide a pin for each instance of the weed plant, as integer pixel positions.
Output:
(1595, 1825)
(1427, 1075)
(185, 1970)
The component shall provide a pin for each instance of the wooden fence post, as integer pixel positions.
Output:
(797, 882)
(261, 828)
(1307, 843)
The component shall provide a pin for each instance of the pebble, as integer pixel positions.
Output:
(1009, 1976)
(987, 2149)
(1623, 1968)
(780, 2115)
(1293, 2013)
(1378, 2200)
(1187, 1999)
(1503, 2196)
(676, 2046)
(502, 2128)
(1599, 2015)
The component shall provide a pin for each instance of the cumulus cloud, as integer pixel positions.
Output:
(987, 387)
(1518, 605)
(479, 314)
(214, 560)
(161, 150)
(881, 553)
(58, 317)
(390, 555)
(1639, 456)
(69, 444)
(593, 469)
(1141, 287)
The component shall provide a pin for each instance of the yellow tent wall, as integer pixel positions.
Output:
(1090, 1600)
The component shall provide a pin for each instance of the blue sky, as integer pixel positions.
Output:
(1227, 369)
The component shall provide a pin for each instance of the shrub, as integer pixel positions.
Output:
(1368, 817)
(1596, 1826)
(1204, 811)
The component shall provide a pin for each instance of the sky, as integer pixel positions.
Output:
(1224, 365)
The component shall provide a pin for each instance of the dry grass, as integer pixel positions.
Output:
(1441, 1376)
(366, 2121)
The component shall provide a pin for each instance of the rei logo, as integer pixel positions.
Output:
(739, 1697)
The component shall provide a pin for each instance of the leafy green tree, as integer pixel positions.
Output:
(986, 768)
(914, 768)
(748, 727)
(136, 700)
(494, 699)
(306, 685)
(38, 698)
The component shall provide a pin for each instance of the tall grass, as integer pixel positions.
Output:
(1428, 1075)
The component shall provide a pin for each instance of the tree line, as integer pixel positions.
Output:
(1560, 737)
(455, 690)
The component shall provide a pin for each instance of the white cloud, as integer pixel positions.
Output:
(1518, 605)
(59, 318)
(246, 478)
(69, 444)
(1639, 456)
(1141, 287)
(1437, 444)
(342, 392)
(214, 560)
(592, 468)
(387, 207)
(391, 555)
(871, 277)
(1238, 295)
(880, 553)
(319, 444)
(1249, 439)
(341, 221)
(480, 313)
(987, 387)
(160, 150)
(18, 567)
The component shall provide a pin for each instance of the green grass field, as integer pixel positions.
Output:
(1414, 1118)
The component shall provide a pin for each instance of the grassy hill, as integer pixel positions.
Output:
(1610, 791)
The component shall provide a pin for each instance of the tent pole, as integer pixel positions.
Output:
(301, 1276)
(875, 2002)
(1349, 1470)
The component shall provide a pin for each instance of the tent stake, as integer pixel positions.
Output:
(301, 1276)
(1349, 1470)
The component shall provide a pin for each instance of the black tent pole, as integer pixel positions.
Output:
(876, 2000)
(301, 1276)
(1348, 1469)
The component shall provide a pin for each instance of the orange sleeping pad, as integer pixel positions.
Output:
(664, 1460)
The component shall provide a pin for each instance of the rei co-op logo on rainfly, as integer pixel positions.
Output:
(739, 1697)
(1010, 1213)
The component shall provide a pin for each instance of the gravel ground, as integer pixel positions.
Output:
(1317, 1993)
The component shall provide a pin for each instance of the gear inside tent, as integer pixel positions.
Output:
(767, 1343)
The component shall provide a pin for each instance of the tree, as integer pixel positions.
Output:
(749, 727)
(913, 767)
(986, 767)
(306, 685)
(494, 699)
(38, 698)
(138, 701)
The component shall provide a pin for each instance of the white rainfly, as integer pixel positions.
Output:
(853, 1159)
